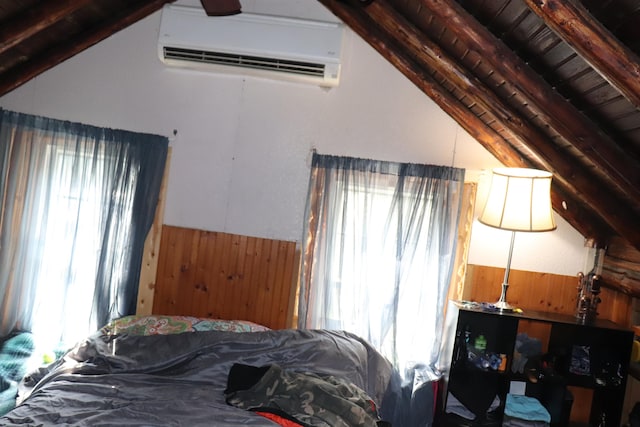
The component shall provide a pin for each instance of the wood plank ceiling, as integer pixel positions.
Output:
(549, 84)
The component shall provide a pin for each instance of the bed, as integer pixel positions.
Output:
(177, 371)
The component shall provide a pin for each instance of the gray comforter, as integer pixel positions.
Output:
(179, 380)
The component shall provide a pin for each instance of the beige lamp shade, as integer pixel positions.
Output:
(519, 199)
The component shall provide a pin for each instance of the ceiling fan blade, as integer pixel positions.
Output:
(221, 7)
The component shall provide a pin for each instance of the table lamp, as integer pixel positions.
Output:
(518, 199)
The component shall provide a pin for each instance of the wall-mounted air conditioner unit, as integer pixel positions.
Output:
(263, 45)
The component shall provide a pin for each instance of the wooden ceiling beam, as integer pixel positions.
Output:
(30, 69)
(359, 20)
(620, 269)
(541, 152)
(552, 108)
(582, 219)
(548, 104)
(573, 23)
(36, 19)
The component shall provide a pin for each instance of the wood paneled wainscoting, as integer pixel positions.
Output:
(226, 276)
(542, 292)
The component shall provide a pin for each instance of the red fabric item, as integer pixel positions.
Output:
(278, 419)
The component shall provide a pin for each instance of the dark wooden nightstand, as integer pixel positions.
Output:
(570, 354)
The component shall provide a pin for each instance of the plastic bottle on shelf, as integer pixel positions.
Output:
(602, 422)
(481, 359)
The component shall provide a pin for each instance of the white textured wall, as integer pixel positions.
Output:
(241, 153)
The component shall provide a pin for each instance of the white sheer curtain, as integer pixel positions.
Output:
(77, 202)
(378, 252)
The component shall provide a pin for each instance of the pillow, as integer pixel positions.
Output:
(163, 325)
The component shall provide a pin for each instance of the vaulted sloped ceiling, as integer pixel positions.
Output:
(36, 35)
(549, 84)
(525, 93)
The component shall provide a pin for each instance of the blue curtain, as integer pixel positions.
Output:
(77, 202)
(378, 252)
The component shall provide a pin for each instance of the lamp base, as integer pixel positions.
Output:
(504, 306)
(502, 303)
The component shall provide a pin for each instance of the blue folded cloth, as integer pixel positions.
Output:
(8, 398)
(526, 408)
(14, 356)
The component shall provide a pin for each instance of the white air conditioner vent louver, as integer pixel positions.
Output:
(239, 60)
(261, 45)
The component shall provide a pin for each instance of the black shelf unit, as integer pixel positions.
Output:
(605, 346)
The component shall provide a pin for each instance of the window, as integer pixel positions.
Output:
(71, 237)
(380, 246)
(78, 202)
